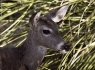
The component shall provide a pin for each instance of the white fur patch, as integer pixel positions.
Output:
(63, 51)
(42, 49)
(46, 28)
(56, 19)
(60, 45)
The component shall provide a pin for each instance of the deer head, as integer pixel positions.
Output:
(45, 30)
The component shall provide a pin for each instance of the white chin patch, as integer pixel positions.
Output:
(63, 52)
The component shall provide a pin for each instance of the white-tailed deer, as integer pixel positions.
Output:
(43, 34)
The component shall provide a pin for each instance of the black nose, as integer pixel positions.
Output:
(66, 47)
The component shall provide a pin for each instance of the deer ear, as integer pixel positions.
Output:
(34, 18)
(57, 14)
(37, 16)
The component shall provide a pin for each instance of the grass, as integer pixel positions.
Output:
(77, 29)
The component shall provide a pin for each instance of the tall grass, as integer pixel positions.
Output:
(77, 29)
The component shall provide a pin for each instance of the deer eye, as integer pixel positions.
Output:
(46, 32)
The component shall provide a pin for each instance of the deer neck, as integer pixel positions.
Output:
(33, 53)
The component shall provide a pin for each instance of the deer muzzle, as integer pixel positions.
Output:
(63, 47)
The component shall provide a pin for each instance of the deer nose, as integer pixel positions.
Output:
(63, 47)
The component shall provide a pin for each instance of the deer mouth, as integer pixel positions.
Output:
(62, 51)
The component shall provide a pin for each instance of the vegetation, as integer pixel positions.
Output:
(77, 29)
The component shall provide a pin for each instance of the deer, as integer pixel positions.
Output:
(43, 33)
